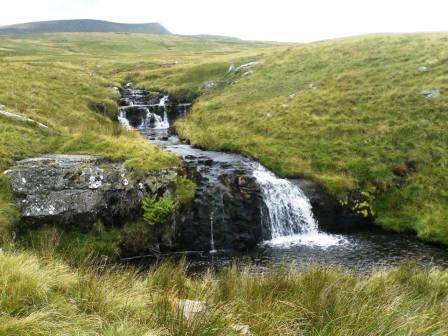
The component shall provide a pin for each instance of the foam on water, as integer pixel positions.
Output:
(288, 214)
(315, 239)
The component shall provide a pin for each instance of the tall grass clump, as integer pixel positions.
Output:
(43, 296)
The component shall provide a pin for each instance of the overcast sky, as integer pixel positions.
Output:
(279, 20)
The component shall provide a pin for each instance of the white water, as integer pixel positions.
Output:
(212, 239)
(288, 213)
(122, 118)
(158, 121)
(165, 123)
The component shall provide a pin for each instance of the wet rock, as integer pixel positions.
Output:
(80, 189)
(228, 199)
(331, 215)
(431, 93)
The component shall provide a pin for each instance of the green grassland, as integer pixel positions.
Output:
(43, 296)
(59, 79)
(344, 113)
(363, 116)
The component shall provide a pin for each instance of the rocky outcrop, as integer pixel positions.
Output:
(245, 67)
(225, 212)
(20, 118)
(77, 190)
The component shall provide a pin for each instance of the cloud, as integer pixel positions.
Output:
(282, 20)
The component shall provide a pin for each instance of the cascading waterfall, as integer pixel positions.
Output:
(165, 122)
(151, 120)
(288, 212)
(122, 119)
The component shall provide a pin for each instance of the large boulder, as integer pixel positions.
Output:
(79, 189)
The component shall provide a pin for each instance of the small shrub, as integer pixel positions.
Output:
(158, 212)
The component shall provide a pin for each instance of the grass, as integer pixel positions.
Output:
(344, 113)
(66, 82)
(362, 116)
(43, 296)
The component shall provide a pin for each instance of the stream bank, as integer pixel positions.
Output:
(241, 206)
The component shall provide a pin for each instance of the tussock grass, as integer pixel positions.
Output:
(42, 296)
(344, 112)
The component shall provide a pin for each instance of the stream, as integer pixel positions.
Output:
(275, 210)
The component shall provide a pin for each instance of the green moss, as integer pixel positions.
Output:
(185, 189)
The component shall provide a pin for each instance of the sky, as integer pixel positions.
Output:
(273, 20)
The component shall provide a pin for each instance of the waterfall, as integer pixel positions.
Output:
(122, 118)
(212, 239)
(151, 120)
(163, 123)
(288, 212)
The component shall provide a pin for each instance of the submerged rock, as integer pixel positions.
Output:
(80, 189)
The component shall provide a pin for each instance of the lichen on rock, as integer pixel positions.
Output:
(77, 190)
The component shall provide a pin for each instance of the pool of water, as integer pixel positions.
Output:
(360, 251)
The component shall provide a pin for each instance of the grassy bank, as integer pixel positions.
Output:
(348, 113)
(66, 81)
(43, 296)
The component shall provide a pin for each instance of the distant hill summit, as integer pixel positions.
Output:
(62, 26)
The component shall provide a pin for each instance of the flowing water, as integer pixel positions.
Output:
(293, 233)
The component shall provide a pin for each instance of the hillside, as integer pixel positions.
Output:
(66, 82)
(64, 26)
(354, 114)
